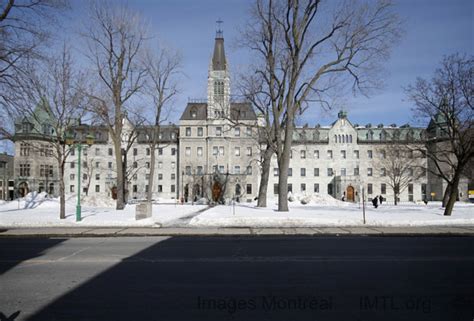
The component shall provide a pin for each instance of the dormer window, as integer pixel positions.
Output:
(193, 113)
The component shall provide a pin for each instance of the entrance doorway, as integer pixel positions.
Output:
(216, 191)
(23, 189)
(350, 194)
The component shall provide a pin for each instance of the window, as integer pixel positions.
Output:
(343, 172)
(160, 151)
(71, 188)
(369, 171)
(303, 154)
(237, 131)
(199, 151)
(160, 176)
(97, 151)
(73, 151)
(97, 177)
(383, 189)
(275, 188)
(291, 154)
(97, 164)
(147, 164)
(188, 151)
(199, 170)
(236, 169)
(109, 165)
(249, 151)
(188, 170)
(356, 171)
(383, 154)
(173, 151)
(160, 164)
(173, 175)
(237, 151)
(148, 152)
(146, 188)
(316, 154)
(25, 149)
(410, 171)
(97, 188)
(85, 165)
(135, 165)
(84, 152)
(221, 168)
(218, 131)
(173, 188)
(135, 188)
(84, 177)
(316, 187)
(110, 152)
(356, 154)
(410, 154)
(249, 131)
(215, 150)
(303, 171)
(72, 176)
(316, 172)
(221, 150)
(303, 187)
(369, 154)
(249, 170)
(330, 172)
(193, 113)
(249, 188)
(188, 131)
(200, 132)
(290, 171)
(383, 172)
(330, 154)
(173, 165)
(214, 168)
(275, 171)
(369, 188)
(290, 188)
(135, 152)
(134, 177)
(343, 154)
(73, 164)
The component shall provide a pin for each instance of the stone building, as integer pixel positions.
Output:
(214, 153)
(7, 182)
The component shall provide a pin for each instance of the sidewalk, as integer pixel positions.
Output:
(238, 231)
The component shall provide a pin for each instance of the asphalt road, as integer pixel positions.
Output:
(237, 278)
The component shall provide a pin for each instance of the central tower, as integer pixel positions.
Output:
(218, 80)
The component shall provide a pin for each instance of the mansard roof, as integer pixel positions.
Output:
(238, 111)
(169, 134)
(195, 111)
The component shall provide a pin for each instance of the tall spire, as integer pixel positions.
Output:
(218, 58)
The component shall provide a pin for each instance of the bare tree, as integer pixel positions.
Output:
(305, 52)
(447, 102)
(24, 31)
(399, 166)
(163, 69)
(51, 95)
(116, 38)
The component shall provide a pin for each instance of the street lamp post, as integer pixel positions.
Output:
(78, 144)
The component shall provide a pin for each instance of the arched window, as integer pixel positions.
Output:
(343, 138)
(347, 138)
(350, 138)
(335, 138)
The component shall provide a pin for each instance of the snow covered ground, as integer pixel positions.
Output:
(36, 210)
(322, 210)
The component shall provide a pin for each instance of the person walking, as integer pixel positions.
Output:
(375, 202)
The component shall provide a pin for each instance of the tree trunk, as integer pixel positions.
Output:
(62, 192)
(452, 195)
(447, 192)
(283, 164)
(149, 194)
(120, 205)
(262, 191)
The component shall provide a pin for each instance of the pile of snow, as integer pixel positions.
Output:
(97, 201)
(318, 199)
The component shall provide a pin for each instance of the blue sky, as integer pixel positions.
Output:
(433, 28)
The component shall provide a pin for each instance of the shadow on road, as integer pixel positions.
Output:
(13, 251)
(258, 278)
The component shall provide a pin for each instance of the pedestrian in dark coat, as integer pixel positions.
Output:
(375, 202)
(380, 199)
